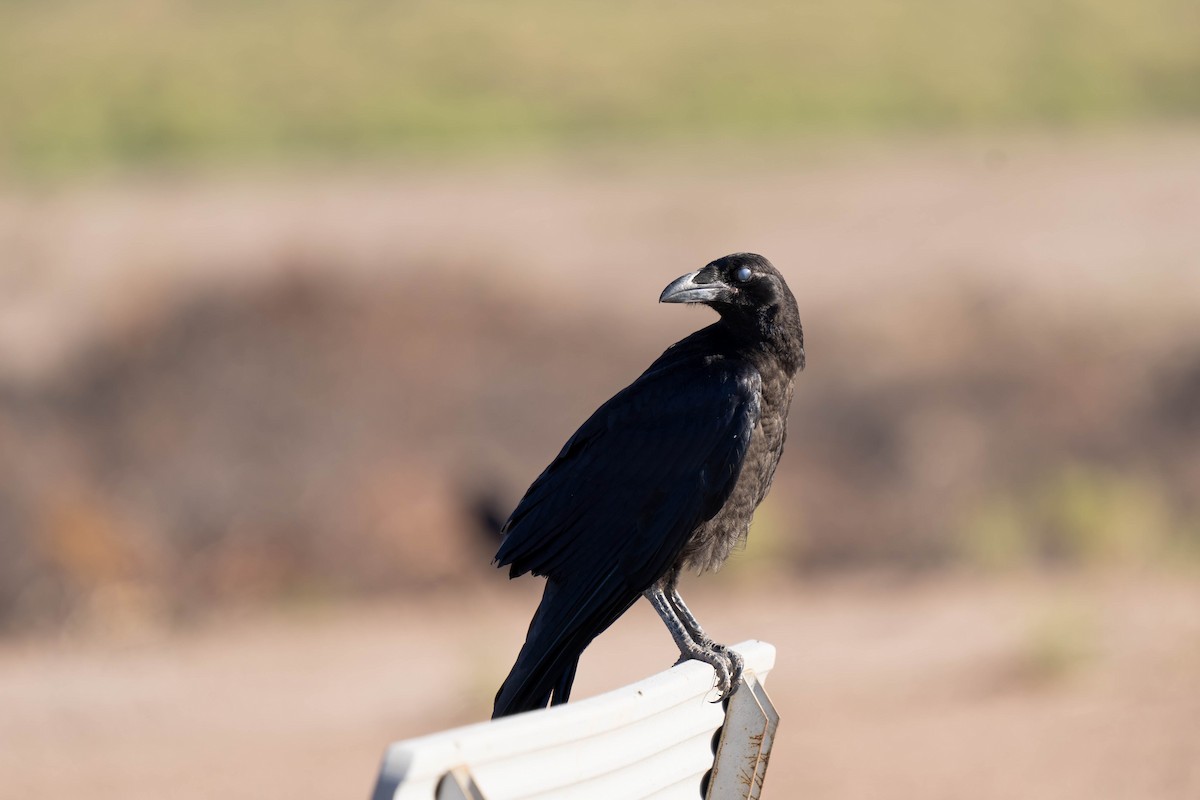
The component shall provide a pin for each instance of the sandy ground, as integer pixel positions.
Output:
(1073, 688)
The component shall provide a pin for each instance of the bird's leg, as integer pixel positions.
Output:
(670, 587)
(736, 662)
(689, 620)
(688, 648)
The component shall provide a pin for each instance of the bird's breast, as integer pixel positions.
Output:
(712, 543)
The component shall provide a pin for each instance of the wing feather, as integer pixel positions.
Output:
(639, 476)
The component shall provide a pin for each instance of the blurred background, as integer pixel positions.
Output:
(297, 297)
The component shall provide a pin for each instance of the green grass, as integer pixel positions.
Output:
(87, 84)
(1079, 515)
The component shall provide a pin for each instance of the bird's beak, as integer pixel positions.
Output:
(686, 289)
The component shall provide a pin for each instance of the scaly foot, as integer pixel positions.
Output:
(726, 664)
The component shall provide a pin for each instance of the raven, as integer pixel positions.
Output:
(664, 476)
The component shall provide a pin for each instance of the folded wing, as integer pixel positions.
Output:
(638, 478)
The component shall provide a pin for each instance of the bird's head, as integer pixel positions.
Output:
(751, 297)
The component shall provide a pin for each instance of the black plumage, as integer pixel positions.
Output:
(665, 476)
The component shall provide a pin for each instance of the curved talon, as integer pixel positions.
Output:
(737, 666)
(727, 673)
(723, 681)
(734, 666)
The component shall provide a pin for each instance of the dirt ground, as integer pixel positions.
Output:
(1023, 687)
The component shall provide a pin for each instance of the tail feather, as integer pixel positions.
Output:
(562, 689)
(566, 622)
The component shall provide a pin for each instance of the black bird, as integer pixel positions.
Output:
(664, 476)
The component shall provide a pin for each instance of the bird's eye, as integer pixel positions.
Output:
(743, 274)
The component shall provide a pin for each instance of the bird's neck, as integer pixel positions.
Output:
(773, 331)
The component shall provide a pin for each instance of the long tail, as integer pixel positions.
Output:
(566, 622)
